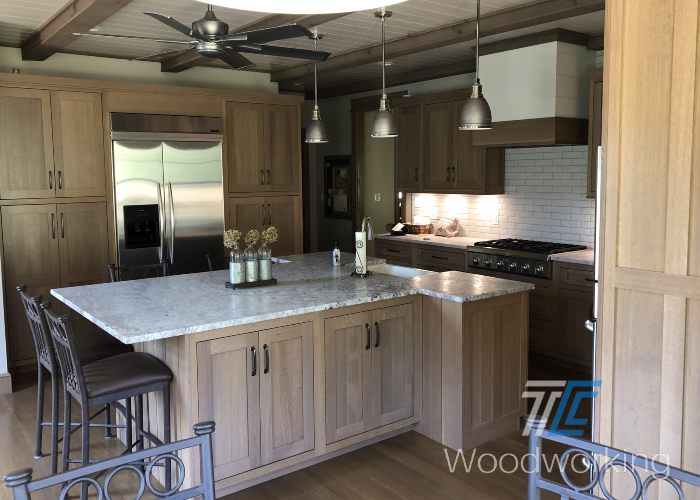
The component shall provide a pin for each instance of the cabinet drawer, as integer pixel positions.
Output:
(431, 255)
(395, 251)
(576, 277)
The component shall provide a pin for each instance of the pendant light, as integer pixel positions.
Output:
(384, 124)
(476, 113)
(316, 131)
(303, 6)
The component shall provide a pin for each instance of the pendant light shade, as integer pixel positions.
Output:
(316, 130)
(384, 124)
(476, 113)
(303, 6)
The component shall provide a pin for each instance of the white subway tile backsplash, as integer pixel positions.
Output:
(545, 199)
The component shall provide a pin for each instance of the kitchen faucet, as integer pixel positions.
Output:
(367, 228)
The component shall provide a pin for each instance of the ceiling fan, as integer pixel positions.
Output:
(210, 38)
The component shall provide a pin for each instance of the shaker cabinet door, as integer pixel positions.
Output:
(229, 394)
(26, 144)
(575, 307)
(78, 143)
(469, 160)
(246, 214)
(437, 146)
(349, 396)
(392, 364)
(282, 139)
(82, 237)
(408, 148)
(284, 213)
(245, 136)
(286, 391)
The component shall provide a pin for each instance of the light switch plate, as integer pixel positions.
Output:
(377, 196)
(494, 219)
(433, 214)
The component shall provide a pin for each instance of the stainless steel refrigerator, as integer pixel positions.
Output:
(168, 190)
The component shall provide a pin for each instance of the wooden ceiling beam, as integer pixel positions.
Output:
(596, 42)
(190, 58)
(502, 21)
(57, 32)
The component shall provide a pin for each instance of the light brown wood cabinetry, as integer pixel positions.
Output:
(263, 150)
(595, 127)
(369, 370)
(408, 148)
(259, 213)
(438, 132)
(50, 246)
(246, 152)
(395, 252)
(286, 391)
(573, 339)
(79, 161)
(258, 387)
(26, 144)
(229, 394)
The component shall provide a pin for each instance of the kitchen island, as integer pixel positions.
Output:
(323, 363)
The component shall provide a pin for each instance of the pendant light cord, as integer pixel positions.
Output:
(315, 75)
(478, 15)
(383, 54)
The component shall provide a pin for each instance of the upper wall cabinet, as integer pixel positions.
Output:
(263, 147)
(438, 164)
(51, 144)
(26, 144)
(408, 148)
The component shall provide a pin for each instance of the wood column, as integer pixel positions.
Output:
(649, 323)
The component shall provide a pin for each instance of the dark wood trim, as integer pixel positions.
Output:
(502, 21)
(447, 96)
(57, 32)
(371, 103)
(596, 42)
(357, 173)
(555, 35)
(535, 132)
(305, 192)
(190, 58)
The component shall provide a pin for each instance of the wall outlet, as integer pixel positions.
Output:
(433, 214)
(377, 196)
(494, 218)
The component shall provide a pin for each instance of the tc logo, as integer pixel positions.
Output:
(574, 388)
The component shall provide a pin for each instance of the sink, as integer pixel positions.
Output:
(403, 272)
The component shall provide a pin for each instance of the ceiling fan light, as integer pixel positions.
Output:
(476, 112)
(316, 132)
(303, 6)
(384, 124)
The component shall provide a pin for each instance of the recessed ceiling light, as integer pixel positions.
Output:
(388, 63)
(298, 84)
(303, 6)
(96, 28)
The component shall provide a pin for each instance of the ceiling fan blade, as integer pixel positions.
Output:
(236, 60)
(272, 50)
(177, 25)
(128, 37)
(159, 55)
(271, 34)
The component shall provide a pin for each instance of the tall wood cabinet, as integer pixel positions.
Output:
(282, 212)
(49, 246)
(51, 144)
(369, 370)
(258, 387)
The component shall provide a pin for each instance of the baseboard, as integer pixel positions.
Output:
(5, 384)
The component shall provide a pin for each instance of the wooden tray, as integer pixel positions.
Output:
(419, 228)
(254, 284)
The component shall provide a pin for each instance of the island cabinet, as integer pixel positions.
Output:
(51, 144)
(258, 388)
(369, 370)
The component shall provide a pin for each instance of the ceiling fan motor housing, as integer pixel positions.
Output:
(210, 27)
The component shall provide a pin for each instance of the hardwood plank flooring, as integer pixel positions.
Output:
(408, 466)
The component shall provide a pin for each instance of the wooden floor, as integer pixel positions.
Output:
(408, 466)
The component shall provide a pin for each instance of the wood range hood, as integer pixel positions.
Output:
(538, 96)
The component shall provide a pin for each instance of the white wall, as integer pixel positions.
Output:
(545, 198)
(104, 68)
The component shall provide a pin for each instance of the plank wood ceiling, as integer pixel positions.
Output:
(19, 18)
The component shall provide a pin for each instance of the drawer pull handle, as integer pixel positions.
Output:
(255, 361)
(262, 176)
(50, 179)
(376, 324)
(448, 174)
(369, 336)
(267, 359)
(53, 226)
(393, 250)
(592, 279)
(416, 175)
(439, 257)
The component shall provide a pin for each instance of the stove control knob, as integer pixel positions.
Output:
(513, 266)
(539, 270)
(487, 263)
(526, 268)
(499, 264)
(475, 261)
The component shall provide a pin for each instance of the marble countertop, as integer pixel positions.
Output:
(158, 308)
(461, 242)
(578, 257)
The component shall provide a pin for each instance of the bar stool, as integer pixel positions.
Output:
(108, 381)
(127, 273)
(216, 264)
(90, 347)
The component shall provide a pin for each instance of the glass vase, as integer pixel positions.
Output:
(265, 262)
(251, 264)
(237, 266)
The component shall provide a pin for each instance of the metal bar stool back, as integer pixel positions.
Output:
(217, 264)
(128, 273)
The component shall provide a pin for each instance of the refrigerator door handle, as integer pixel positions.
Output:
(161, 222)
(172, 225)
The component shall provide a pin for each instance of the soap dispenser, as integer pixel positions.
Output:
(336, 255)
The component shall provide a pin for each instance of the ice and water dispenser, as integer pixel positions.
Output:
(141, 226)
